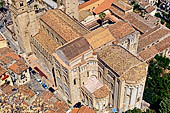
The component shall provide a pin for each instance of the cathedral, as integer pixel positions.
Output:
(98, 68)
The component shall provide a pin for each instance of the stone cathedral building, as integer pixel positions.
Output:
(97, 68)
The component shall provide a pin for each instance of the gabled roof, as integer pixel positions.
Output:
(99, 37)
(121, 29)
(122, 5)
(46, 42)
(138, 22)
(150, 52)
(73, 49)
(126, 65)
(85, 4)
(63, 25)
(152, 37)
(103, 6)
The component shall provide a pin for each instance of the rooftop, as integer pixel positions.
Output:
(102, 92)
(83, 109)
(18, 67)
(121, 29)
(95, 87)
(73, 49)
(103, 6)
(138, 22)
(150, 9)
(123, 63)
(7, 56)
(153, 50)
(2, 71)
(26, 91)
(122, 5)
(85, 4)
(152, 37)
(7, 89)
(99, 37)
(63, 25)
(148, 53)
(117, 12)
(47, 42)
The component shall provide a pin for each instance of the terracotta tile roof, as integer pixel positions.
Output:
(150, 31)
(2, 71)
(122, 5)
(121, 29)
(152, 37)
(164, 44)
(85, 4)
(5, 50)
(117, 12)
(144, 4)
(7, 56)
(122, 62)
(153, 20)
(117, 58)
(103, 6)
(7, 89)
(1, 38)
(46, 95)
(46, 42)
(75, 110)
(102, 92)
(148, 53)
(26, 91)
(18, 67)
(63, 25)
(85, 109)
(150, 9)
(99, 37)
(135, 74)
(73, 49)
(138, 22)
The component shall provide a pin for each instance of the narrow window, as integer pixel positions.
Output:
(74, 81)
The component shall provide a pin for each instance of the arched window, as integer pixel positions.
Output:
(74, 81)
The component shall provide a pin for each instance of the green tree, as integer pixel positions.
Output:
(157, 15)
(165, 105)
(2, 3)
(168, 25)
(158, 81)
(136, 6)
(102, 15)
(149, 111)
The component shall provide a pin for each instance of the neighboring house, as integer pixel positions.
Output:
(16, 67)
(90, 5)
(151, 10)
(152, 19)
(154, 42)
(83, 109)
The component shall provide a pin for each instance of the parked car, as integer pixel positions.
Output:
(51, 89)
(39, 80)
(45, 86)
